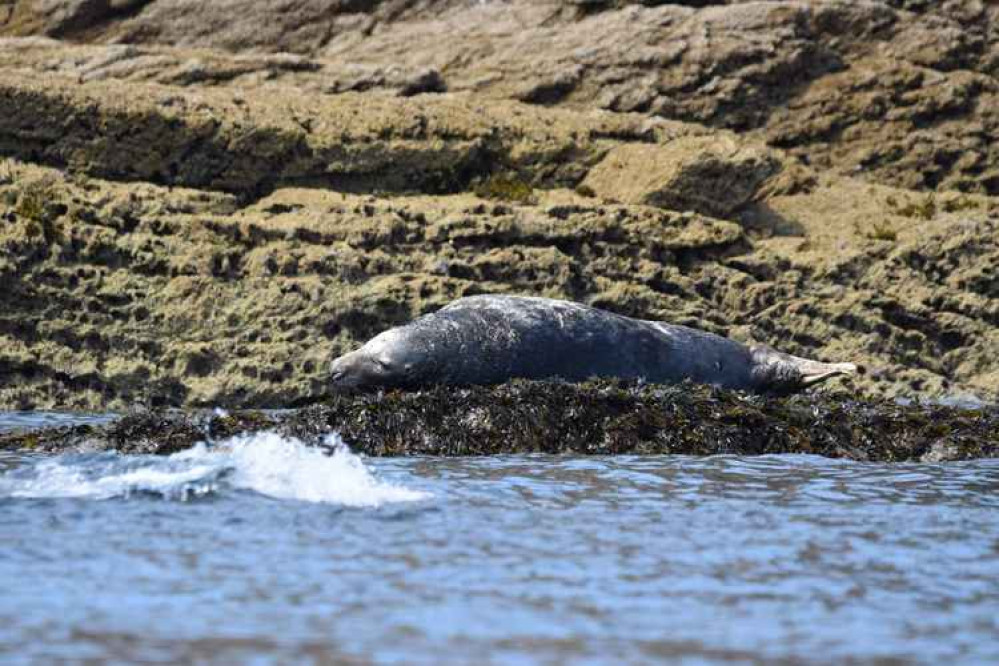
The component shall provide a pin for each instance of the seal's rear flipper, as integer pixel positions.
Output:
(814, 372)
(784, 373)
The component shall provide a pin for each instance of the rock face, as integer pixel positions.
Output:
(708, 174)
(200, 203)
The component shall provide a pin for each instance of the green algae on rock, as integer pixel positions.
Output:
(594, 418)
(203, 206)
(124, 293)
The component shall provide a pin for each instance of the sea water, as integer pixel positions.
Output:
(261, 550)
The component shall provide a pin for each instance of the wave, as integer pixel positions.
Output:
(266, 463)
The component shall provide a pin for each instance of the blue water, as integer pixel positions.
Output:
(262, 551)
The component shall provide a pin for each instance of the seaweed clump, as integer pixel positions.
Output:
(600, 417)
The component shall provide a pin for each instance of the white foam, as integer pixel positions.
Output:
(266, 463)
(287, 469)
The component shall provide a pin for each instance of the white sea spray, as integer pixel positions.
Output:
(266, 462)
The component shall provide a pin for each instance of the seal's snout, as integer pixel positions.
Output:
(362, 369)
(341, 375)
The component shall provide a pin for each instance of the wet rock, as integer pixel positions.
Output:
(600, 418)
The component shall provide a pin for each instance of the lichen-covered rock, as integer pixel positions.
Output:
(230, 141)
(903, 93)
(205, 201)
(713, 175)
(122, 293)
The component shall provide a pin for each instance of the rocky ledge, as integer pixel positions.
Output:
(202, 203)
(599, 418)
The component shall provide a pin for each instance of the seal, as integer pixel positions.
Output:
(494, 338)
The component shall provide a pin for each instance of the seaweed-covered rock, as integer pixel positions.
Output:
(553, 417)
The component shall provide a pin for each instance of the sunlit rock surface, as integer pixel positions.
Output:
(202, 203)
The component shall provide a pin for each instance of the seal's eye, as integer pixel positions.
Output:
(382, 364)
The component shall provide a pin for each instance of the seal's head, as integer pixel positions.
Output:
(386, 361)
(777, 372)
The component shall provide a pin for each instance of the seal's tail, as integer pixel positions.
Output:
(816, 372)
(777, 371)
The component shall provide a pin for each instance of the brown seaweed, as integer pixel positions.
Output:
(600, 417)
